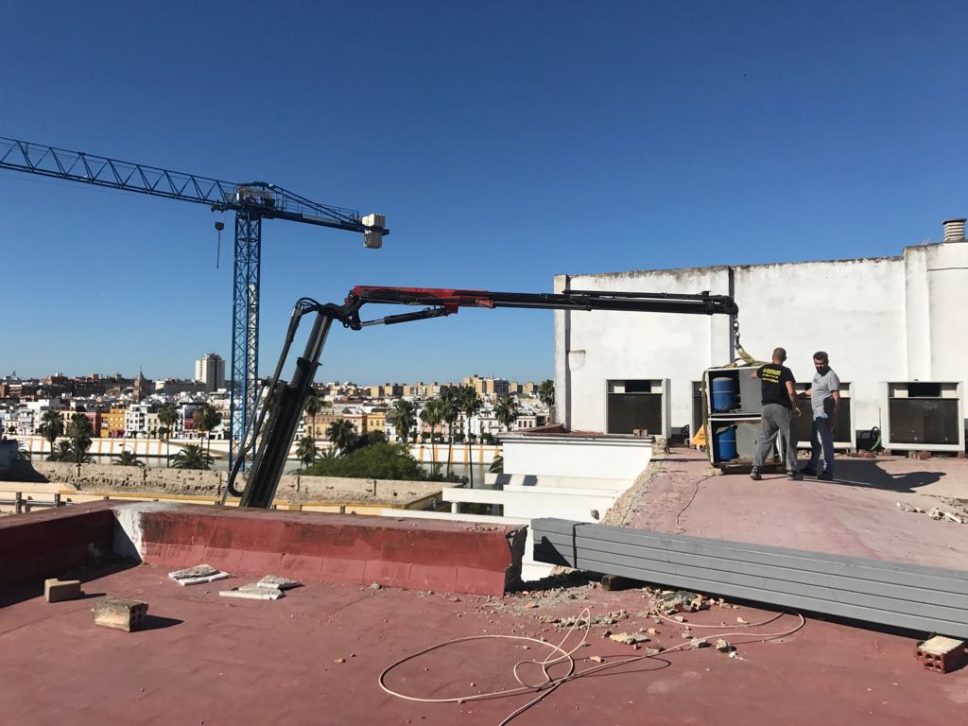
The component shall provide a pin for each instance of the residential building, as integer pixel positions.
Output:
(210, 370)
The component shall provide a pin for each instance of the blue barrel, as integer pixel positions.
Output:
(724, 393)
(726, 444)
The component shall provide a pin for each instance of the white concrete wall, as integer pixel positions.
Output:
(880, 319)
(586, 457)
(605, 345)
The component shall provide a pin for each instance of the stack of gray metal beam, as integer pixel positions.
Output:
(928, 599)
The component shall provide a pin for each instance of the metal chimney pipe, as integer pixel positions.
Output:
(954, 230)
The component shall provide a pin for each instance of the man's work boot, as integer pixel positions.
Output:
(808, 471)
(795, 476)
(755, 475)
(826, 476)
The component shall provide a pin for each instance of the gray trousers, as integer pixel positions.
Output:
(776, 419)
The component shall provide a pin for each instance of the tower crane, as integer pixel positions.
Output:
(252, 202)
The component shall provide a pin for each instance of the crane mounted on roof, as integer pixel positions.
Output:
(251, 201)
(274, 427)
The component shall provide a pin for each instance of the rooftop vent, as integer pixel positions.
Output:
(954, 230)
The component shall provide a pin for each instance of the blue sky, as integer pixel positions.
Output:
(505, 142)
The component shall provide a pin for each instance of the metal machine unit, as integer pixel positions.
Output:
(274, 426)
(923, 416)
(732, 408)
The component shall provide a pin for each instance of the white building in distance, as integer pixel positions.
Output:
(210, 370)
(886, 322)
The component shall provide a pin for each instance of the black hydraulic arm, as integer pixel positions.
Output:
(274, 428)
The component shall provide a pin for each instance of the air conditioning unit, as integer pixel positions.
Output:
(923, 416)
(638, 405)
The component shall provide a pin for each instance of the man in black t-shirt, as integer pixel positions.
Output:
(779, 403)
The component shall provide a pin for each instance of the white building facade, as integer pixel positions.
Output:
(880, 319)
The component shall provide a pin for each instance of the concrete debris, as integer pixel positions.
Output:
(576, 621)
(197, 575)
(375, 586)
(678, 601)
(724, 646)
(119, 613)
(253, 591)
(652, 651)
(596, 658)
(741, 621)
(340, 660)
(904, 507)
(629, 638)
(935, 513)
(939, 514)
(279, 583)
(59, 590)
(698, 643)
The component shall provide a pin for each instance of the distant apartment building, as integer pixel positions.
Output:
(490, 388)
(210, 370)
(386, 390)
(112, 423)
(136, 419)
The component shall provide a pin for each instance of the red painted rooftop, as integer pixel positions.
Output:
(204, 659)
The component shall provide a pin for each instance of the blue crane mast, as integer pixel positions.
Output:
(252, 202)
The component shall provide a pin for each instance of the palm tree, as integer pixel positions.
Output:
(307, 451)
(127, 458)
(206, 418)
(403, 418)
(470, 404)
(506, 411)
(342, 433)
(313, 406)
(51, 426)
(192, 456)
(79, 430)
(64, 452)
(546, 393)
(431, 415)
(449, 411)
(168, 417)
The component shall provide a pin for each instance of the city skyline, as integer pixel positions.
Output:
(16, 375)
(502, 153)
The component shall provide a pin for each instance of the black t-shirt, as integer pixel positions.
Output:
(773, 378)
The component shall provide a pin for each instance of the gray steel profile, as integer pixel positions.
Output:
(916, 597)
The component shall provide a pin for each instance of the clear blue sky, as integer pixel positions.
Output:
(505, 142)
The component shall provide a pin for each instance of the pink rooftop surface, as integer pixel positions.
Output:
(204, 659)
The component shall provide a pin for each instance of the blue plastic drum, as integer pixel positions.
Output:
(724, 394)
(726, 444)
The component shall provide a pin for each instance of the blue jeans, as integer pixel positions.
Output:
(822, 441)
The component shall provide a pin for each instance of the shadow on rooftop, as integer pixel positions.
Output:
(869, 474)
(12, 594)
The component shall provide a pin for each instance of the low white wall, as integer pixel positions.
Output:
(576, 457)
